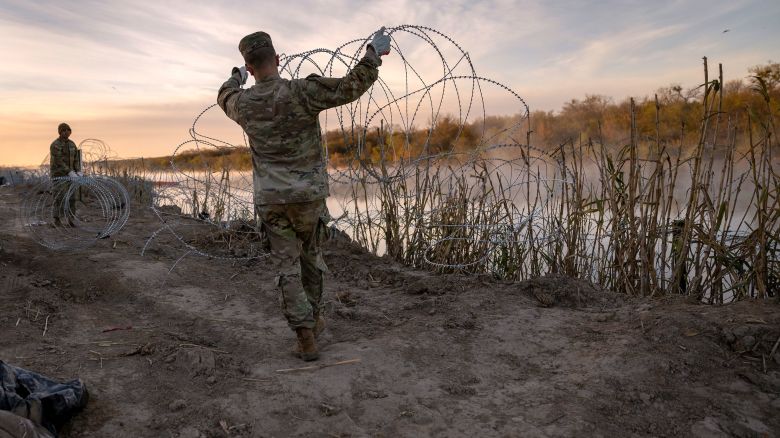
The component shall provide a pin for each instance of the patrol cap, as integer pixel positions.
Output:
(254, 41)
(63, 126)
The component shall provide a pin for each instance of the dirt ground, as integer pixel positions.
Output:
(196, 351)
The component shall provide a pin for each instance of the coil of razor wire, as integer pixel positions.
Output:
(445, 78)
(68, 213)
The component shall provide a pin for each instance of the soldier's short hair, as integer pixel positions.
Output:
(260, 57)
(63, 126)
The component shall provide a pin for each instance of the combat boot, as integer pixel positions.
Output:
(307, 348)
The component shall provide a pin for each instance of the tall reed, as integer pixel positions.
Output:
(698, 217)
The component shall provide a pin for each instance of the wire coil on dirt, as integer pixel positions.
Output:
(101, 210)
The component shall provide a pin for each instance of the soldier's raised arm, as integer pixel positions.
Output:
(228, 94)
(320, 93)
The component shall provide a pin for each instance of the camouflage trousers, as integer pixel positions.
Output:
(296, 232)
(62, 190)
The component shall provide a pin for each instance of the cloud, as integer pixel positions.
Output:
(153, 65)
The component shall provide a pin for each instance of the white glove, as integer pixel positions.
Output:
(72, 174)
(242, 74)
(380, 42)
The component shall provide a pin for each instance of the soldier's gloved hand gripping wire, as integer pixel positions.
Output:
(380, 42)
(240, 73)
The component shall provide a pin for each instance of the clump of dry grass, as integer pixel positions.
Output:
(699, 218)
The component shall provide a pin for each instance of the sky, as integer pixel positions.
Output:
(135, 74)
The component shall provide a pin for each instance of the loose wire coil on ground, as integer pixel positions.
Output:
(68, 213)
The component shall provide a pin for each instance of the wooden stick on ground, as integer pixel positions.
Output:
(772, 353)
(318, 366)
(46, 327)
(255, 380)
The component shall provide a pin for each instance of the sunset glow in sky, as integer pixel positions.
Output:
(136, 73)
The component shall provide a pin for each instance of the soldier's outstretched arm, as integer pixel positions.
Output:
(228, 94)
(320, 93)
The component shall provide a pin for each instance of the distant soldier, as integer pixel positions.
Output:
(281, 119)
(64, 160)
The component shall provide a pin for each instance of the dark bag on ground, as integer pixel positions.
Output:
(38, 398)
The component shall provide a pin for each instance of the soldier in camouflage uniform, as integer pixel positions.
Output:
(64, 161)
(281, 119)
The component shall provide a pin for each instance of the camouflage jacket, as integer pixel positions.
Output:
(63, 157)
(280, 118)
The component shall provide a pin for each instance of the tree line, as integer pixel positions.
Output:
(672, 115)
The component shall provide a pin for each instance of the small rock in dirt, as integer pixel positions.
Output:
(604, 317)
(211, 380)
(457, 389)
(347, 298)
(328, 410)
(748, 341)
(371, 394)
(177, 405)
